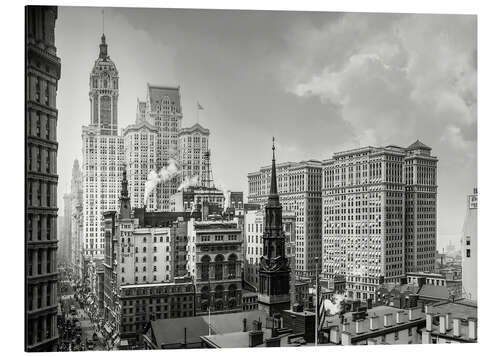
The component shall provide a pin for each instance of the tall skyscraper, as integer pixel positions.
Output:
(43, 70)
(102, 151)
(420, 175)
(274, 271)
(163, 110)
(76, 219)
(65, 242)
(363, 218)
(140, 143)
(299, 187)
(373, 198)
(193, 146)
(469, 249)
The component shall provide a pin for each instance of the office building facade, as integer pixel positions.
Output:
(469, 249)
(140, 144)
(193, 147)
(43, 70)
(299, 187)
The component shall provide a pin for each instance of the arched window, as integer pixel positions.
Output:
(231, 267)
(165, 103)
(105, 80)
(219, 292)
(219, 264)
(231, 291)
(205, 267)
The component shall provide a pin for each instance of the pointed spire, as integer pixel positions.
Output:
(103, 47)
(124, 192)
(273, 192)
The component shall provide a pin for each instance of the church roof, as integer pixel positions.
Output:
(418, 145)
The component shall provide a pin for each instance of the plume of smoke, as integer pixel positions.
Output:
(154, 178)
(188, 181)
(335, 306)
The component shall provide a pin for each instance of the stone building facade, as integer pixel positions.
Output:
(379, 215)
(140, 144)
(214, 261)
(163, 110)
(43, 70)
(193, 146)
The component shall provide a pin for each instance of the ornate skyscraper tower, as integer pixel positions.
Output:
(274, 272)
(102, 150)
(103, 92)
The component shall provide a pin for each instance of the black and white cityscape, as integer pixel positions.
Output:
(238, 179)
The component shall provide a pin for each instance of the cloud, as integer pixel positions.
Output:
(395, 77)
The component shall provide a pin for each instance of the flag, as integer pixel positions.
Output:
(199, 106)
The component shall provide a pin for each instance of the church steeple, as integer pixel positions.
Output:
(273, 193)
(274, 272)
(124, 197)
(124, 192)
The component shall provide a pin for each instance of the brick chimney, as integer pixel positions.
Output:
(442, 324)
(387, 320)
(456, 327)
(426, 337)
(472, 328)
(359, 326)
(335, 335)
(400, 316)
(448, 321)
(428, 322)
(346, 339)
(373, 322)
(413, 314)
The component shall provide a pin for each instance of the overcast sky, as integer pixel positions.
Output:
(318, 82)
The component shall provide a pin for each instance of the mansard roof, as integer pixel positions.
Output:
(418, 145)
(157, 93)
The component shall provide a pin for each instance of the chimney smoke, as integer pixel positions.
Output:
(187, 182)
(165, 174)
